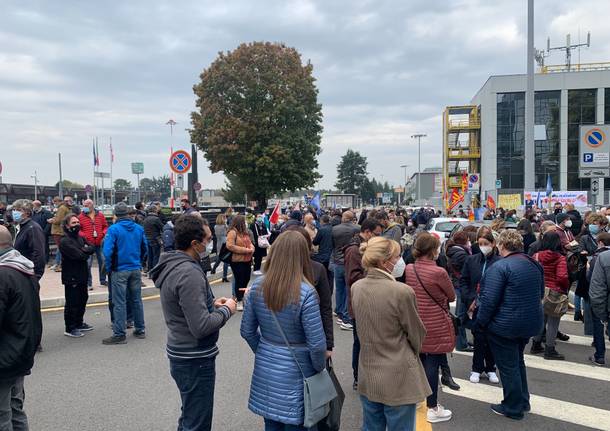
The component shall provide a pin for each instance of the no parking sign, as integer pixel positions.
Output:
(180, 162)
(474, 182)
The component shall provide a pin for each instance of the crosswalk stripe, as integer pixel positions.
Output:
(579, 340)
(542, 406)
(563, 367)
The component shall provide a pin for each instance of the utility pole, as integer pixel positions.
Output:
(61, 180)
(419, 136)
(35, 176)
(405, 183)
(529, 156)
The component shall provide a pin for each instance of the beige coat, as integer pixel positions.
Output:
(240, 245)
(391, 335)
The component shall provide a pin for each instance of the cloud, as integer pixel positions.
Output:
(385, 70)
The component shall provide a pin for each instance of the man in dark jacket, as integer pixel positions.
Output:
(511, 312)
(354, 272)
(153, 229)
(75, 253)
(140, 213)
(41, 216)
(30, 239)
(294, 220)
(125, 247)
(193, 318)
(342, 236)
(20, 330)
(324, 241)
(601, 288)
(577, 221)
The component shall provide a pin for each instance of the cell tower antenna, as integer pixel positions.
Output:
(568, 47)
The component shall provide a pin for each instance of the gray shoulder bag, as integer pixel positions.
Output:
(318, 390)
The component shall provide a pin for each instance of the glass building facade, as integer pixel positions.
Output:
(511, 138)
(581, 110)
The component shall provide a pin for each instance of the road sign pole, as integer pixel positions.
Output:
(138, 177)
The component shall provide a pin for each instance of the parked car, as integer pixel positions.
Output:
(441, 227)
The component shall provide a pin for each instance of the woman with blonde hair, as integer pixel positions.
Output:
(391, 378)
(283, 303)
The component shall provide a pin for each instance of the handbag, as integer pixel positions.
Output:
(333, 420)
(318, 390)
(225, 254)
(454, 319)
(263, 240)
(555, 304)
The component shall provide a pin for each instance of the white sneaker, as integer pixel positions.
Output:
(439, 414)
(258, 272)
(240, 306)
(493, 377)
(475, 377)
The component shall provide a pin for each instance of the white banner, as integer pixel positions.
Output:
(578, 199)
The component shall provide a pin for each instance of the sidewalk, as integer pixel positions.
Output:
(52, 291)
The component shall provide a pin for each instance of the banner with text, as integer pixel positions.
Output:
(509, 202)
(576, 198)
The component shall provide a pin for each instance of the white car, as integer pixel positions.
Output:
(441, 227)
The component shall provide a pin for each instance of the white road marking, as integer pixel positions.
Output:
(580, 340)
(542, 406)
(564, 367)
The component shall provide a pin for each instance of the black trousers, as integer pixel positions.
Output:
(76, 303)
(483, 358)
(355, 351)
(241, 275)
(258, 260)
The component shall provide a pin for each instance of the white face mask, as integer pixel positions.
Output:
(568, 224)
(399, 268)
(486, 249)
(209, 247)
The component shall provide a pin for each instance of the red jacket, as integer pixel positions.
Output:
(440, 337)
(93, 232)
(555, 270)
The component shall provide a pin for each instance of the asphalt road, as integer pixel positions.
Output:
(80, 384)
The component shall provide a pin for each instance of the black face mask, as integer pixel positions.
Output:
(557, 210)
(74, 229)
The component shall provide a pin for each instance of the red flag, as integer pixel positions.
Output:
(491, 203)
(275, 215)
(464, 182)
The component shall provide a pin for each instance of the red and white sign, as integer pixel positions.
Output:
(180, 162)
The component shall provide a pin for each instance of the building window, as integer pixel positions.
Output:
(546, 118)
(581, 110)
(607, 105)
(511, 139)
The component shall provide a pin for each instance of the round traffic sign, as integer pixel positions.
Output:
(180, 162)
(197, 187)
(88, 188)
(595, 138)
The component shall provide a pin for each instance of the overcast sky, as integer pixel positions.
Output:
(73, 70)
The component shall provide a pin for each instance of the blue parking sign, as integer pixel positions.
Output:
(587, 157)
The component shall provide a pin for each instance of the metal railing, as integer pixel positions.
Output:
(582, 67)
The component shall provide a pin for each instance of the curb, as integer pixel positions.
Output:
(101, 297)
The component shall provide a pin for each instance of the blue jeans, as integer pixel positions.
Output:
(128, 302)
(195, 379)
(577, 303)
(123, 282)
(508, 353)
(278, 426)
(461, 342)
(99, 255)
(341, 294)
(154, 251)
(379, 417)
(432, 362)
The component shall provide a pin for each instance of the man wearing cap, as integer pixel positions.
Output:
(125, 247)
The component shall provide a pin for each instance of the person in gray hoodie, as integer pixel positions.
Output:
(193, 318)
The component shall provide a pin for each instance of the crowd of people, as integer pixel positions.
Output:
(393, 284)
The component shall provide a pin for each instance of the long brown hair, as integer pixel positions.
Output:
(286, 267)
(239, 224)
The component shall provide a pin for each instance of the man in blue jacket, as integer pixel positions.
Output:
(125, 247)
(511, 312)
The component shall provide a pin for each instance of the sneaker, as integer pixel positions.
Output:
(346, 326)
(75, 333)
(104, 283)
(85, 327)
(438, 414)
(225, 280)
(598, 362)
(52, 267)
(536, 348)
(499, 410)
(493, 377)
(115, 339)
(475, 377)
(139, 334)
(89, 288)
(562, 337)
(240, 306)
(339, 321)
(258, 272)
(355, 385)
(129, 324)
(57, 268)
(578, 316)
(467, 349)
(552, 355)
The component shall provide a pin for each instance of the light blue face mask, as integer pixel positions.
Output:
(17, 216)
(594, 229)
(86, 210)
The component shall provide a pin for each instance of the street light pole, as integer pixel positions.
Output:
(35, 176)
(419, 136)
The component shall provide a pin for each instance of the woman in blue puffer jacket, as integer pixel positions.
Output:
(286, 289)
